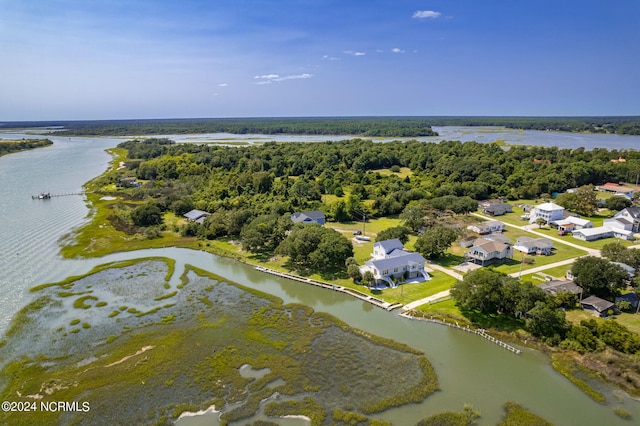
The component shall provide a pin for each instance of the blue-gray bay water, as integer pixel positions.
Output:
(470, 370)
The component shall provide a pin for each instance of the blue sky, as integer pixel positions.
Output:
(90, 59)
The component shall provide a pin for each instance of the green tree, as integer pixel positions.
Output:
(147, 215)
(546, 320)
(354, 273)
(599, 277)
(265, 232)
(399, 232)
(316, 247)
(617, 203)
(482, 289)
(435, 241)
(412, 217)
(541, 222)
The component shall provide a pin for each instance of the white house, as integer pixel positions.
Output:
(572, 222)
(530, 245)
(632, 215)
(547, 211)
(391, 262)
(592, 234)
(487, 227)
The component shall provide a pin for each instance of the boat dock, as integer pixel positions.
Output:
(479, 332)
(352, 292)
(48, 195)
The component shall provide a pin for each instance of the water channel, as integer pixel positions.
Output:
(470, 369)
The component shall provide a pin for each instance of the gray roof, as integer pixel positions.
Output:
(392, 262)
(560, 286)
(498, 238)
(634, 212)
(597, 303)
(390, 245)
(534, 242)
(302, 216)
(196, 214)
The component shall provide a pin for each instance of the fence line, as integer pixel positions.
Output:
(479, 332)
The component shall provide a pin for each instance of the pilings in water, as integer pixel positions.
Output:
(355, 293)
(479, 332)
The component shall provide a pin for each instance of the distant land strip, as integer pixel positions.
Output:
(352, 126)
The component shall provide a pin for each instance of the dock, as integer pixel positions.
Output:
(352, 292)
(479, 332)
(48, 195)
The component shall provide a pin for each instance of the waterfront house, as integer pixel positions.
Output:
(390, 264)
(197, 216)
(597, 306)
(530, 245)
(487, 227)
(547, 211)
(485, 252)
(315, 217)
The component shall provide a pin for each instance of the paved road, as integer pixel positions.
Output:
(528, 228)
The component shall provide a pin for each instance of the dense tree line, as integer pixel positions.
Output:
(7, 147)
(363, 126)
(354, 126)
(443, 169)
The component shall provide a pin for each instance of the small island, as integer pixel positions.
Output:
(8, 146)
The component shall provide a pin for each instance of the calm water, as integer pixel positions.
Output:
(470, 370)
(461, 133)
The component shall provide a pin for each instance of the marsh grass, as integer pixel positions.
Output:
(577, 374)
(191, 360)
(515, 415)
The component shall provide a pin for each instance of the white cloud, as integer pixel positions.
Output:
(223, 85)
(269, 78)
(396, 50)
(426, 14)
(330, 58)
(352, 53)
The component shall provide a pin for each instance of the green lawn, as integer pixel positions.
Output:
(445, 308)
(631, 321)
(406, 293)
(403, 173)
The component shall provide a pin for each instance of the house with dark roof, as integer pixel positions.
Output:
(497, 209)
(597, 306)
(315, 217)
(632, 298)
(390, 263)
(485, 252)
(530, 245)
(561, 286)
(197, 216)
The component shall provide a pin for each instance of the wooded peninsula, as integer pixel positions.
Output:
(352, 126)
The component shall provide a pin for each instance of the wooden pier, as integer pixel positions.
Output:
(479, 332)
(48, 195)
(352, 292)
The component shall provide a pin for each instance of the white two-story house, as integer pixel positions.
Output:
(391, 264)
